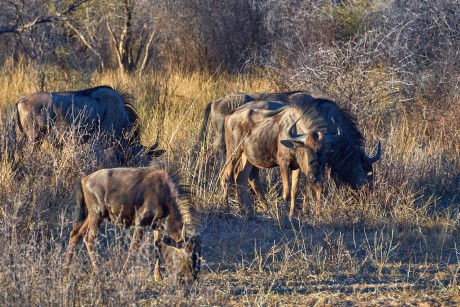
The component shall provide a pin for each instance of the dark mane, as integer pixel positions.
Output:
(128, 103)
(275, 93)
(89, 90)
(128, 100)
(181, 201)
(312, 118)
(270, 113)
(349, 124)
(187, 211)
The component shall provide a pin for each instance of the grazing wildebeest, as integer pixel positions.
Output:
(216, 111)
(145, 196)
(346, 158)
(291, 137)
(348, 161)
(95, 110)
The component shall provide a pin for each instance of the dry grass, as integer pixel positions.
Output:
(396, 244)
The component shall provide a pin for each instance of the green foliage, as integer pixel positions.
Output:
(349, 16)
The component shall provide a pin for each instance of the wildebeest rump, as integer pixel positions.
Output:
(216, 111)
(100, 110)
(145, 196)
(291, 138)
(346, 158)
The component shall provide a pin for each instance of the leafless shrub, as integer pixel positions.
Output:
(421, 39)
(209, 35)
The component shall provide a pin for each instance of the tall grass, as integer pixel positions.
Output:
(398, 241)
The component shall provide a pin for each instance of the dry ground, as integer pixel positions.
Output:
(395, 245)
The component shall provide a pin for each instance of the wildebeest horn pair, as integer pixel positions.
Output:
(303, 137)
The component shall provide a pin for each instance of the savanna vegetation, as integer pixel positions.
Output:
(394, 64)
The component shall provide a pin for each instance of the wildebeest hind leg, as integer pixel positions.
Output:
(228, 177)
(77, 233)
(90, 238)
(254, 181)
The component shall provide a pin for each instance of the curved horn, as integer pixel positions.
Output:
(295, 136)
(183, 232)
(332, 138)
(376, 157)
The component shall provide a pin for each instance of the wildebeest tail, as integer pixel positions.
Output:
(80, 211)
(204, 126)
(18, 122)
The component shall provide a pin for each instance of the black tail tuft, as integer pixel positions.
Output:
(80, 211)
(18, 122)
(204, 126)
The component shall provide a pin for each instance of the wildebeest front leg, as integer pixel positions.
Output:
(157, 270)
(254, 181)
(242, 180)
(135, 243)
(284, 170)
(317, 188)
(294, 187)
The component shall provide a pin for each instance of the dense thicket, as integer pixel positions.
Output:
(415, 43)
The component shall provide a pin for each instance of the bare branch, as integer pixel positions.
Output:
(147, 49)
(114, 38)
(20, 26)
(86, 43)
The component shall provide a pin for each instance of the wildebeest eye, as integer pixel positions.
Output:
(369, 174)
(167, 240)
(314, 135)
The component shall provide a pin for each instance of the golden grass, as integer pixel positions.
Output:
(396, 243)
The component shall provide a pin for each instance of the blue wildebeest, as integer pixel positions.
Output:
(290, 137)
(139, 197)
(346, 158)
(99, 110)
(216, 111)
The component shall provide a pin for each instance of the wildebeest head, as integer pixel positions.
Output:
(182, 261)
(180, 245)
(361, 172)
(311, 148)
(348, 161)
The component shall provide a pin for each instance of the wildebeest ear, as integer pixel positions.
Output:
(291, 143)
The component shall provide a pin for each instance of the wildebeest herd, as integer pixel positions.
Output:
(291, 130)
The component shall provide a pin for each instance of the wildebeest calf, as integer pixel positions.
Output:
(139, 197)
